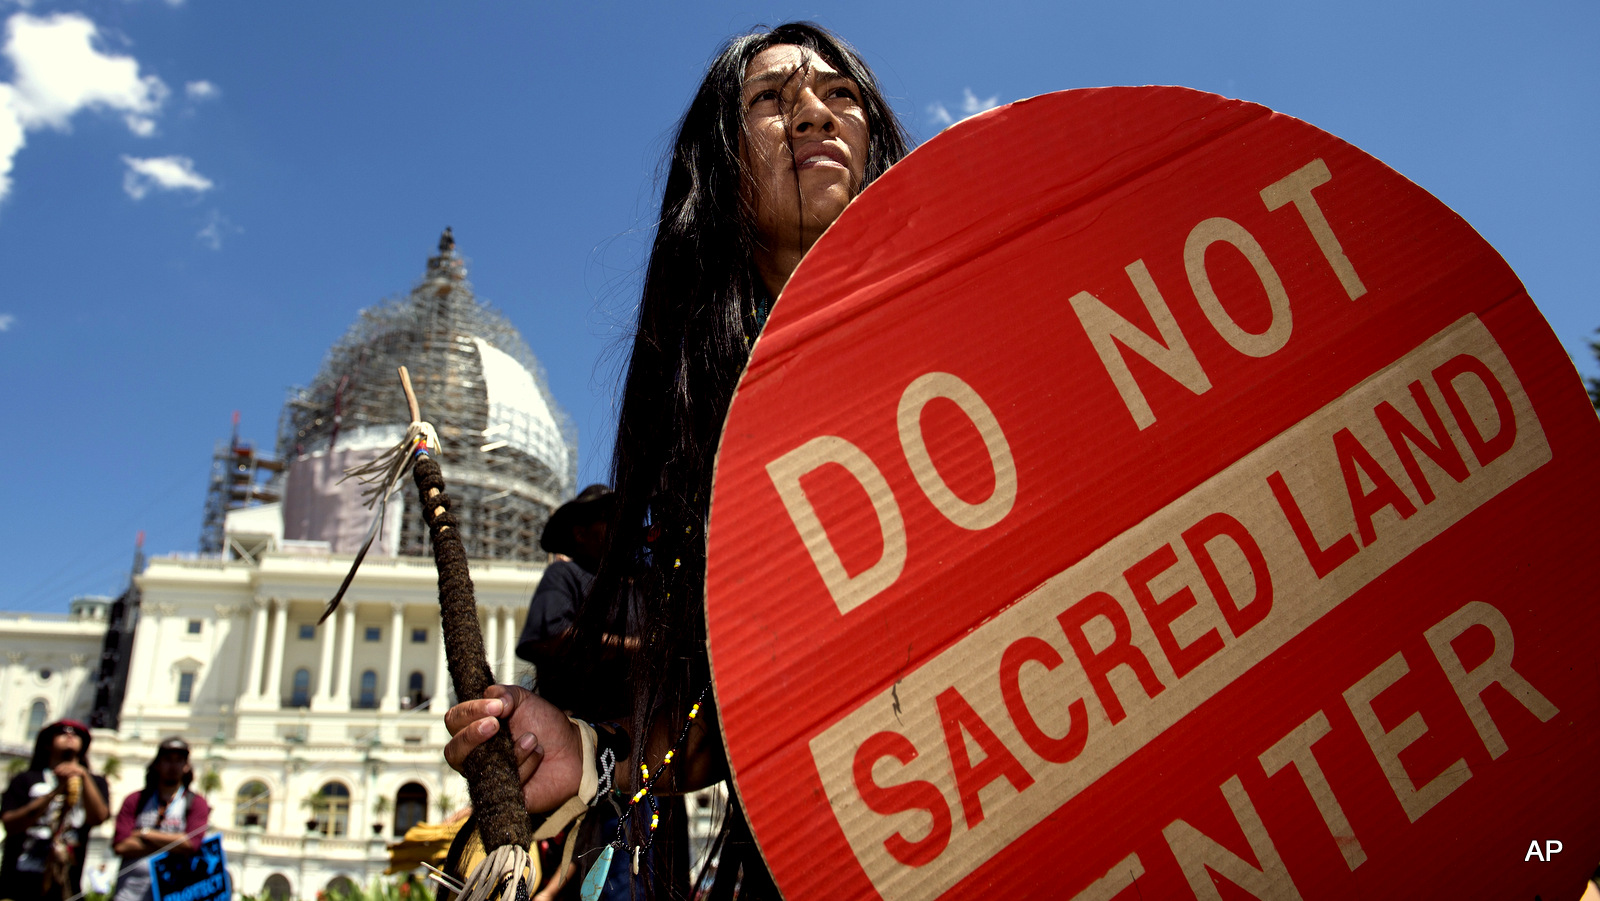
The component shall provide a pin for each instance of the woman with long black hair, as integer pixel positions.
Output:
(787, 127)
(48, 810)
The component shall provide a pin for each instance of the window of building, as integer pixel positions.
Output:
(277, 888)
(374, 633)
(185, 687)
(45, 674)
(301, 691)
(251, 803)
(194, 627)
(307, 631)
(331, 808)
(419, 636)
(414, 695)
(410, 807)
(368, 699)
(36, 718)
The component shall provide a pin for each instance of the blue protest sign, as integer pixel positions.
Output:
(202, 876)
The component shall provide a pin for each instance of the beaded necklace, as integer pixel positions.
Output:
(596, 878)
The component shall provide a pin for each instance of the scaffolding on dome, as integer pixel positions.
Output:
(510, 450)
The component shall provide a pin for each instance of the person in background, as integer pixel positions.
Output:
(575, 533)
(48, 810)
(163, 816)
(593, 689)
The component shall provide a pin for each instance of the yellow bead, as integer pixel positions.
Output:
(667, 759)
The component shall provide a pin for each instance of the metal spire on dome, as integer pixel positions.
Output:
(447, 266)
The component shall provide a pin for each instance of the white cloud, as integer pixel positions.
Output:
(6, 321)
(58, 72)
(971, 105)
(11, 136)
(201, 90)
(162, 173)
(217, 226)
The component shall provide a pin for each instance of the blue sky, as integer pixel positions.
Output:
(199, 196)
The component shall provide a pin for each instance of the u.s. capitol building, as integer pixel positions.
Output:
(317, 745)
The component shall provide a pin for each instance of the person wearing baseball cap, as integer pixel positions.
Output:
(48, 810)
(163, 816)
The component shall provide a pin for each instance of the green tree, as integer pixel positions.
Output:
(317, 804)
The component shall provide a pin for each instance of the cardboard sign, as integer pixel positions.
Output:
(1142, 494)
(202, 876)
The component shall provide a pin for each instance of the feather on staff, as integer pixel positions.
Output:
(500, 824)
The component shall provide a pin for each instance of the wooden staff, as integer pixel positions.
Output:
(498, 814)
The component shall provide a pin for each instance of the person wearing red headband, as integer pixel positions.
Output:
(48, 810)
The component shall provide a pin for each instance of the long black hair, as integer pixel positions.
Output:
(702, 305)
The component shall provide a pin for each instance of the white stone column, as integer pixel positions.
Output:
(508, 645)
(256, 657)
(142, 673)
(391, 681)
(323, 696)
(441, 677)
(491, 644)
(280, 625)
(339, 689)
(11, 673)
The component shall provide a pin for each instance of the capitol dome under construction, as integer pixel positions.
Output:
(509, 451)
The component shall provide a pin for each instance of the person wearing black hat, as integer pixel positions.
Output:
(591, 689)
(48, 810)
(576, 532)
(163, 816)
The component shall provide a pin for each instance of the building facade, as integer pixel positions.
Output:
(47, 669)
(314, 745)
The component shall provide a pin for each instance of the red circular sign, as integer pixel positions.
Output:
(1138, 492)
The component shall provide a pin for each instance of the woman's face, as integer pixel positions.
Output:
(66, 746)
(804, 151)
